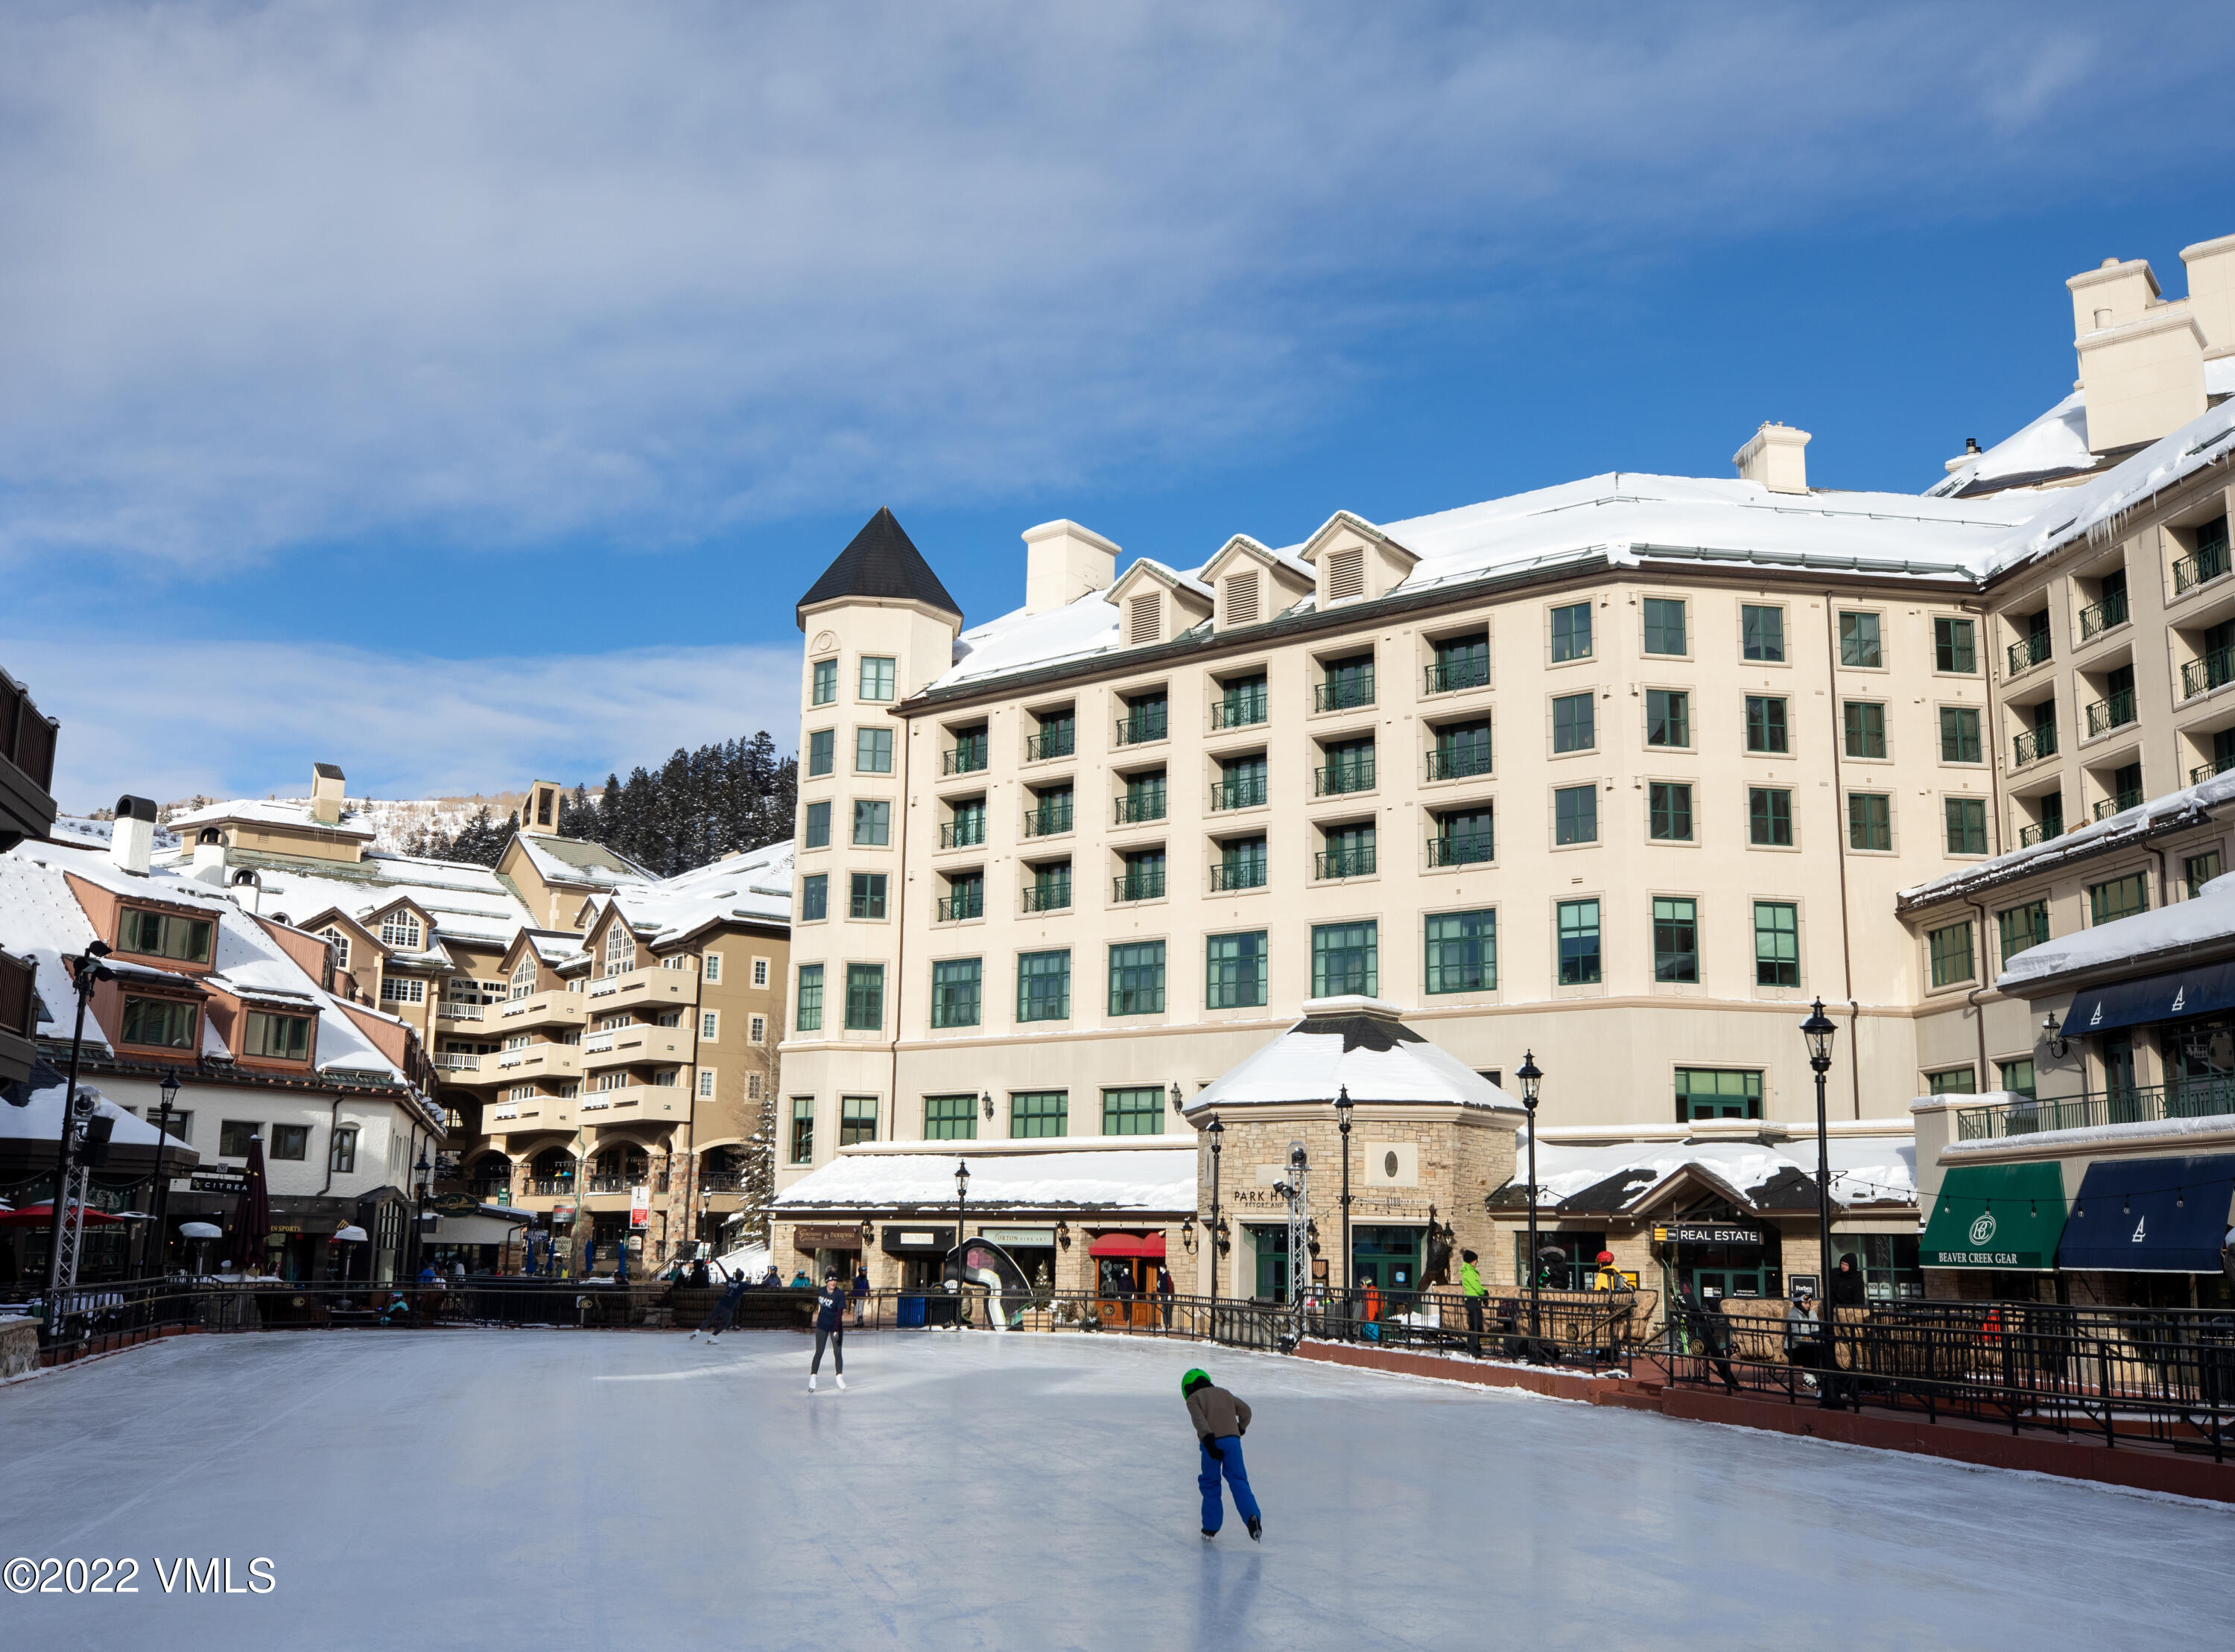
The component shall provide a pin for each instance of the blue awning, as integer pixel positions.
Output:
(2159, 997)
(2151, 1215)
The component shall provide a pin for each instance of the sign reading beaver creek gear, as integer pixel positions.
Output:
(2007, 1216)
(1705, 1233)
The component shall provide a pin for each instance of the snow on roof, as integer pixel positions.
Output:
(555, 946)
(41, 920)
(578, 860)
(1630, 1176)
(285, 812)
(2054, 445)
(1145, 1173)
(467, 902)
(754, 884)
(42, 1121)
(71, 828)
(2094, 507)
(1353, 1044)
(2208, 918)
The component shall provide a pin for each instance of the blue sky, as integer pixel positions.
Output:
(456, 394)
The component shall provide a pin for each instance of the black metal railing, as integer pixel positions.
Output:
(1056, 742)
(2113, 711)
(1457, 762)
(953, 908)
(2027, 652)
(1240, 874)
(1458, 848)
(1046, 820)
(1343, 694)
(2204, 772)
(1240, 710)
(2186, 1099)
(2029, 836)
(1355, 775)
(1145, 806)
(969, 758)
(1138, 886)
(1051, 898)
(1237, 794)
(1343, 863)
(2192, 571)
(964, 831)
(18, 979)
(2211, 670)
(2033, 745)
(1139, 727)
(551, 1186)
(1449, 676)
(2101, 617)
(2118, 803)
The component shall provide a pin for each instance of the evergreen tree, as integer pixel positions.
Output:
(723, 799)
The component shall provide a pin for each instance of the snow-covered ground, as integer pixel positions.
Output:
(510, 1488)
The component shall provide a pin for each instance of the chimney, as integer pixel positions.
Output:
(1063, 562)
(2211, 293)
(132, 838)
(2141, 358)
(328, 787)
(539, 814)
(209, 856)
(1775, 456)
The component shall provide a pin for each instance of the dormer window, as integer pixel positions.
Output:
(1241, 597)
(278, 1038)
(401, 931)
(1145, 619)
(620, 951)
(523, 976)
(1345, 574)
(165, 935)
(339, 942)
(158, 1023)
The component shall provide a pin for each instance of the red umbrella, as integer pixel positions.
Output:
(252, 1215)
(37, 1215)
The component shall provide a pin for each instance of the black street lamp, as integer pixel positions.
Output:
(1342, 1104)
(168, 1089)
(962, 1203)
(1530, 1081)
(1217, 1133)
(1819, 1030)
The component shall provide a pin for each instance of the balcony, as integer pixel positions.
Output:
(18, 983)
(2215, 669)
(1240, 710)
(489, 1192)
(2097, 617)
(1137, 886)
(457, 1009)
(2118, 804)
(953, 909)
(458, 1063)
(1343, 694)
(626, 1046)
(722, 1181)
(27, 766)
(2027, 652)
(557, 1007)
(1343, 863)
(965, 832)
(968, 758)
(1459, 849)
(1237, 794)
(2206, 566)
(1047, 821)
(1052, 897)
(2192, 1099)
(1450, 678)
(536, 1062)
(1457, 762)
(2197, 776)
(1149, 806)
(2033, 745)
(1338, 778)
(1056, 742)
(1140, 728)
(550, 1186)
(2047, 831)
(1238, 874)
(634, 986)
(628, 1097)
(2115, 711)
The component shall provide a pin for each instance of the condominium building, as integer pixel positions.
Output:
(27, 810)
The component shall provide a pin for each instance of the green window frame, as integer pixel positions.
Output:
(1676, 939)
(1576, 814)
(1959, 734)
(857, 1119)
(1039, 1113)
(1949, 948)
(815, 898)
(1051, 887)
(865, 997)
(957, 992)
(1865, 724)
(873, 751)
(950, 1117)
(816, 832)
(2022, 926)
(865, 895)
(1761, 633)
(822, 752)
(1769, 816)
(1462, 951)
(1664, 625)
(164, 935)
(1572, 632)
(877, 676)
(1776, 943)
(1954, 647)
(803, 1129)
(1718, 1093)
(1241, 863)
(1577, 923)
(1463, 838)
(809, 1018)
(824, 676)
(1858, 641)
(1346, 959)
(1668, 811)
(1952, 1081)
(1137, 978)
(1967, 824)
(1044, 985)
(1575, 723)
(158, 1023)
(2016, 1076)
(1766, 726)
(873, 822)
(1667, 717)
(2200, 869)
(1137, 1111)
(2118, 897)
(1235, 972)
(1870, 820)
(1461, 749)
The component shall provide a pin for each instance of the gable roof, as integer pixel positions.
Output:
(1357, 1045)
(883, 561)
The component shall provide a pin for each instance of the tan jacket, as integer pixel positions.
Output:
(1217, 1413)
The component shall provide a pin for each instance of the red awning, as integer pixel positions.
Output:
(39, 1216)
(1127, 1245)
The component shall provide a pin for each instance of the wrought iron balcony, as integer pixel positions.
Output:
(2027, 652)
(1238, 794)
(1458, 849)
(2114, 711)
(1337, 779)
(1344, 863)
(2101, 617)
(2191, 1099)
(967, 758)
(964, 831)
(2204, 772)
(1456, 762)
(2118, 804)
(1138, 886)
(2202, 676)
(2033, 745)
(1046, 820)
(1238, 874)
(2207, 563)
(1139, 727)
(1449, 677)
(1343, 694)
(953, 908)
(1052, 897)
(2029, 836)
(1147, 805)
(1055, 742)
(1240, 710)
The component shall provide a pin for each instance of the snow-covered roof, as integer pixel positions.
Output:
(467, 902)
(1091, 1173)
(754, 884)
(578, 860)
(280, 811)
(2053, 447)
(2203, 921)
(1353, 1044)
(42, 1121)
(1631, 1176)
(73, 828)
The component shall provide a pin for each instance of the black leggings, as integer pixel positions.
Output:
(836, 1337)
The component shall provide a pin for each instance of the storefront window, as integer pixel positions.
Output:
(1888, 1260)
(1572, 1271)
(1708, 1093)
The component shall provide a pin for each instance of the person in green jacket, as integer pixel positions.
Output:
(1470, 1284)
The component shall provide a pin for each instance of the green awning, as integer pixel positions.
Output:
(1997, 1216)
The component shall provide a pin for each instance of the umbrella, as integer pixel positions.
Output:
(252, 1214)
(200, 1230)
(41, 1215)
(350, 1235)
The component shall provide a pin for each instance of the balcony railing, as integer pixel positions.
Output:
(2192, 1099)
(953, 908)
(722, 1181)
(486, 1193)
(457, 1063)
(1238, 794)
(969, 758)
(455, 1009)
(1137, 886)
(1342, 694)
(2033, 745)
(26, 736)
(547, 1186)
(2190, 571)
(1149, 806)
(1239, 710)
(1045, 821)
(1052, 899)
(1056, 742)
(1139, 727)
(1339, 778)
(2118, 804)
(1456, 762)
(617, 1184)
(1450, 677)
(18, 976)
(1238, 874)
(2114, 711)
(2027, 652)
(1458, 849)
(2029, 836)
(1343, 863)
(2202, 676)
(2204, 772)
(964, 831)
(2101, 617)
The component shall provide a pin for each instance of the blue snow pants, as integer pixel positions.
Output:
(1237, 1475)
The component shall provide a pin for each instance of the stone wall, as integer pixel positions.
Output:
(19, 1348)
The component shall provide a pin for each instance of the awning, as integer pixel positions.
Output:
(2159, 997)
(1995, 1216)
(1127, 1245)
(2151, 1215)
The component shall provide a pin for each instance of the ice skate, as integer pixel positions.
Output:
(841, 1378)
(811, 1382)
(1208, 1536)
(1256, 1529)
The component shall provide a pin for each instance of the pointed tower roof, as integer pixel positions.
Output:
(1354, 1044)
(881, 562)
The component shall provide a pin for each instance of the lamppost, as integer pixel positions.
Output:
(1342, 1119)
(1530, 1081)
(422, 1192)
(962, 1203)
(1819, 1030)
(85, 971)
(1217, 1133)
(168, 1089)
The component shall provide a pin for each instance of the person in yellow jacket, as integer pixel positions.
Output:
(1471, 1287)
(1607, 1278)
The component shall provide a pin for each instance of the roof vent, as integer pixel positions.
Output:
(1145, 623)
(1776, 456)
(327, 789)
(132, 835)
(1345, 574)
(1242, 598)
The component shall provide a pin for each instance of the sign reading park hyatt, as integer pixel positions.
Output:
(1705, 1233)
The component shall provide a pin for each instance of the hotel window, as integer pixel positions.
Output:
(865, 997)
(709, 1026)
(1776, 943)
(857, 1119)
(1234, 970)
(279, 1038)
(1664, 625)
(1137, 978)
(290, 1142)
(1711, 1093)
(815, 898)
(1463, 951)
(1040, 1112)
(620, 950)
(2022, 927)
(1240, 864)
(2016, 1076)
(956, 987)
(865, 896)
(826, 682)
(402, 990)
(2200, 869)
(1578, 925)
(810, 998)
(1870, 820)
(1676, 939)
(160, 1023)
(1954, 646)
(1139, 1112)
(816, 834)
(950, 1117)
(873, 751)
(1463, 837)
(2119, 897)
(1667, 717)
(1959, 734)
(760, 969)
(1572, 632)
(1950, 951)
(1769, 816)
(705, 1084)
(340, 943)
(1966, 825)
(1858, 640)
(161, 935)
(233, 1136)
(1576, 814)
(1051, 889)
(1669, 812)
(1573, 726)
(873, 822)
(803, 1129)
(1461, 663)
(1344, 959)
(754, 1086)
(1766, 724)
(1043, 986)
(1761, 633)
(756, 1029)
(822, 752)
(876, 677)
(1951, 1081)
(1865, 728)
(341, 1153)
(523, 977)
(399, 930)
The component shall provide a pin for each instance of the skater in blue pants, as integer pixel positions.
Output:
(1219, 1421)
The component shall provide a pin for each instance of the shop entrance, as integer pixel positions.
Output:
(1389, 1257)
(1733, 1258)
(1125, 1266)
(1269, 1245)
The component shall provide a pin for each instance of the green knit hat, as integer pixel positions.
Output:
(1192, 1381)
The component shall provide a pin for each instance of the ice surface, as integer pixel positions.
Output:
(610, 1489)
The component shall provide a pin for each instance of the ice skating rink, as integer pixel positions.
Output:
(549, 1489)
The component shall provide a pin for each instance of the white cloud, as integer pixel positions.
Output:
(171, 720)
(285, 276)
